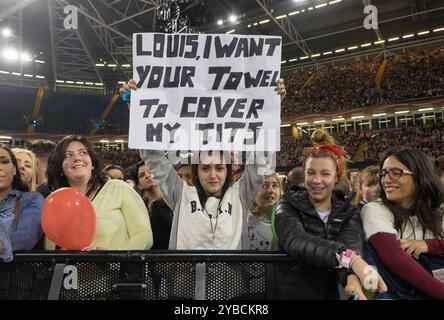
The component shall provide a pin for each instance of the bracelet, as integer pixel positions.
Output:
(346, 257)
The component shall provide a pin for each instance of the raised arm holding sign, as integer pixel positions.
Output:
(220, 97)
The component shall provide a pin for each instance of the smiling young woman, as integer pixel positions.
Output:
(20, 211)
(407, 222)
(122, 218)
(318, 226)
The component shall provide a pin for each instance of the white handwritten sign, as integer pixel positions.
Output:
(205, 92)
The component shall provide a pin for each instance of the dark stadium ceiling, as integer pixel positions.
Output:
(100, 50)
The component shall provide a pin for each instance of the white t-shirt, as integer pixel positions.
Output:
(196, 230)
(259, 233)
(324, 214)
(377, 218)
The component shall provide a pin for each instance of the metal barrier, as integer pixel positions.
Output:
(161, 275)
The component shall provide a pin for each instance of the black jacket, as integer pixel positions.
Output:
(161, 218)
(307, 239)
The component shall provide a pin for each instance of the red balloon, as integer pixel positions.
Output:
(69, 219)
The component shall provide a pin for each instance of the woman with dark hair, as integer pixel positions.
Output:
(122, 219)
(212, 214)
(20, 211)
(407, 222)
(161, 216)
(319, 228)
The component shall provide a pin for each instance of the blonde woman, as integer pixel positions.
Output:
(26, 161)
(259, 218)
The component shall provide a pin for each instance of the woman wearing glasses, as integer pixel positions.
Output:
(405, 223)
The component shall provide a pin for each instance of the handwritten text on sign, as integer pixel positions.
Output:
(205, 92)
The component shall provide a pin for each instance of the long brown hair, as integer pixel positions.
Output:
(428, 196)
(56, 177)
(17, 182)
(195, 177)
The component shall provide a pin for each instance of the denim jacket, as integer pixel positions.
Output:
(28, 231)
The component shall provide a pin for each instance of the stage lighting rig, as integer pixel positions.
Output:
(171, 16)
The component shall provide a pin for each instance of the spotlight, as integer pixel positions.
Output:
(232, 18)
(10, 54)
(220, 22)
(6, 32)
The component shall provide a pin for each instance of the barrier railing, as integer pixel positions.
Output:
(161, 275)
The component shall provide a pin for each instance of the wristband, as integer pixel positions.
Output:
(346, 257)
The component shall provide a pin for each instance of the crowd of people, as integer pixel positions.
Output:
(427, 138)
(325, 217)
(351, 85)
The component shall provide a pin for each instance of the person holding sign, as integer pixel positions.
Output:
(212, 214)
(321, 229)
(122, 221)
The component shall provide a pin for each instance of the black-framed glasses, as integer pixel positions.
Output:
(394, 173)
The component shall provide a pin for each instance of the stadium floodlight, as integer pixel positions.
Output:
(231, 31)
(69, 81)
(99, 84)
(40, 77)
(298, 1)
(100, 65)
(336, 1)
(402, 112)
(311, 8)
(438, 30)
(339, 50)
(286, 125)
(294, 12)
(357, 117)
(284, 61)
(380, 41)
(60, 81)
(112, 65)
(232, 18)
(366, 45)
(426, 109)
(26, 56)
(320, 5)
(338, 119)
(6, 32)
(292, 60)
(264, 21)
(28, 75)
(16, 74)
(10, 54)
(80, 82)
(89, 83)
(423, 33)
(126, 65)
(281, 17)
(411, 35)
(352, 48)
(379, 114)
(393, 39)
(315, 55)
(220, 22)
(39, 61)
(302, 123)
(4, 72)
(319, 121)
(249, 26)
(327, 53)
